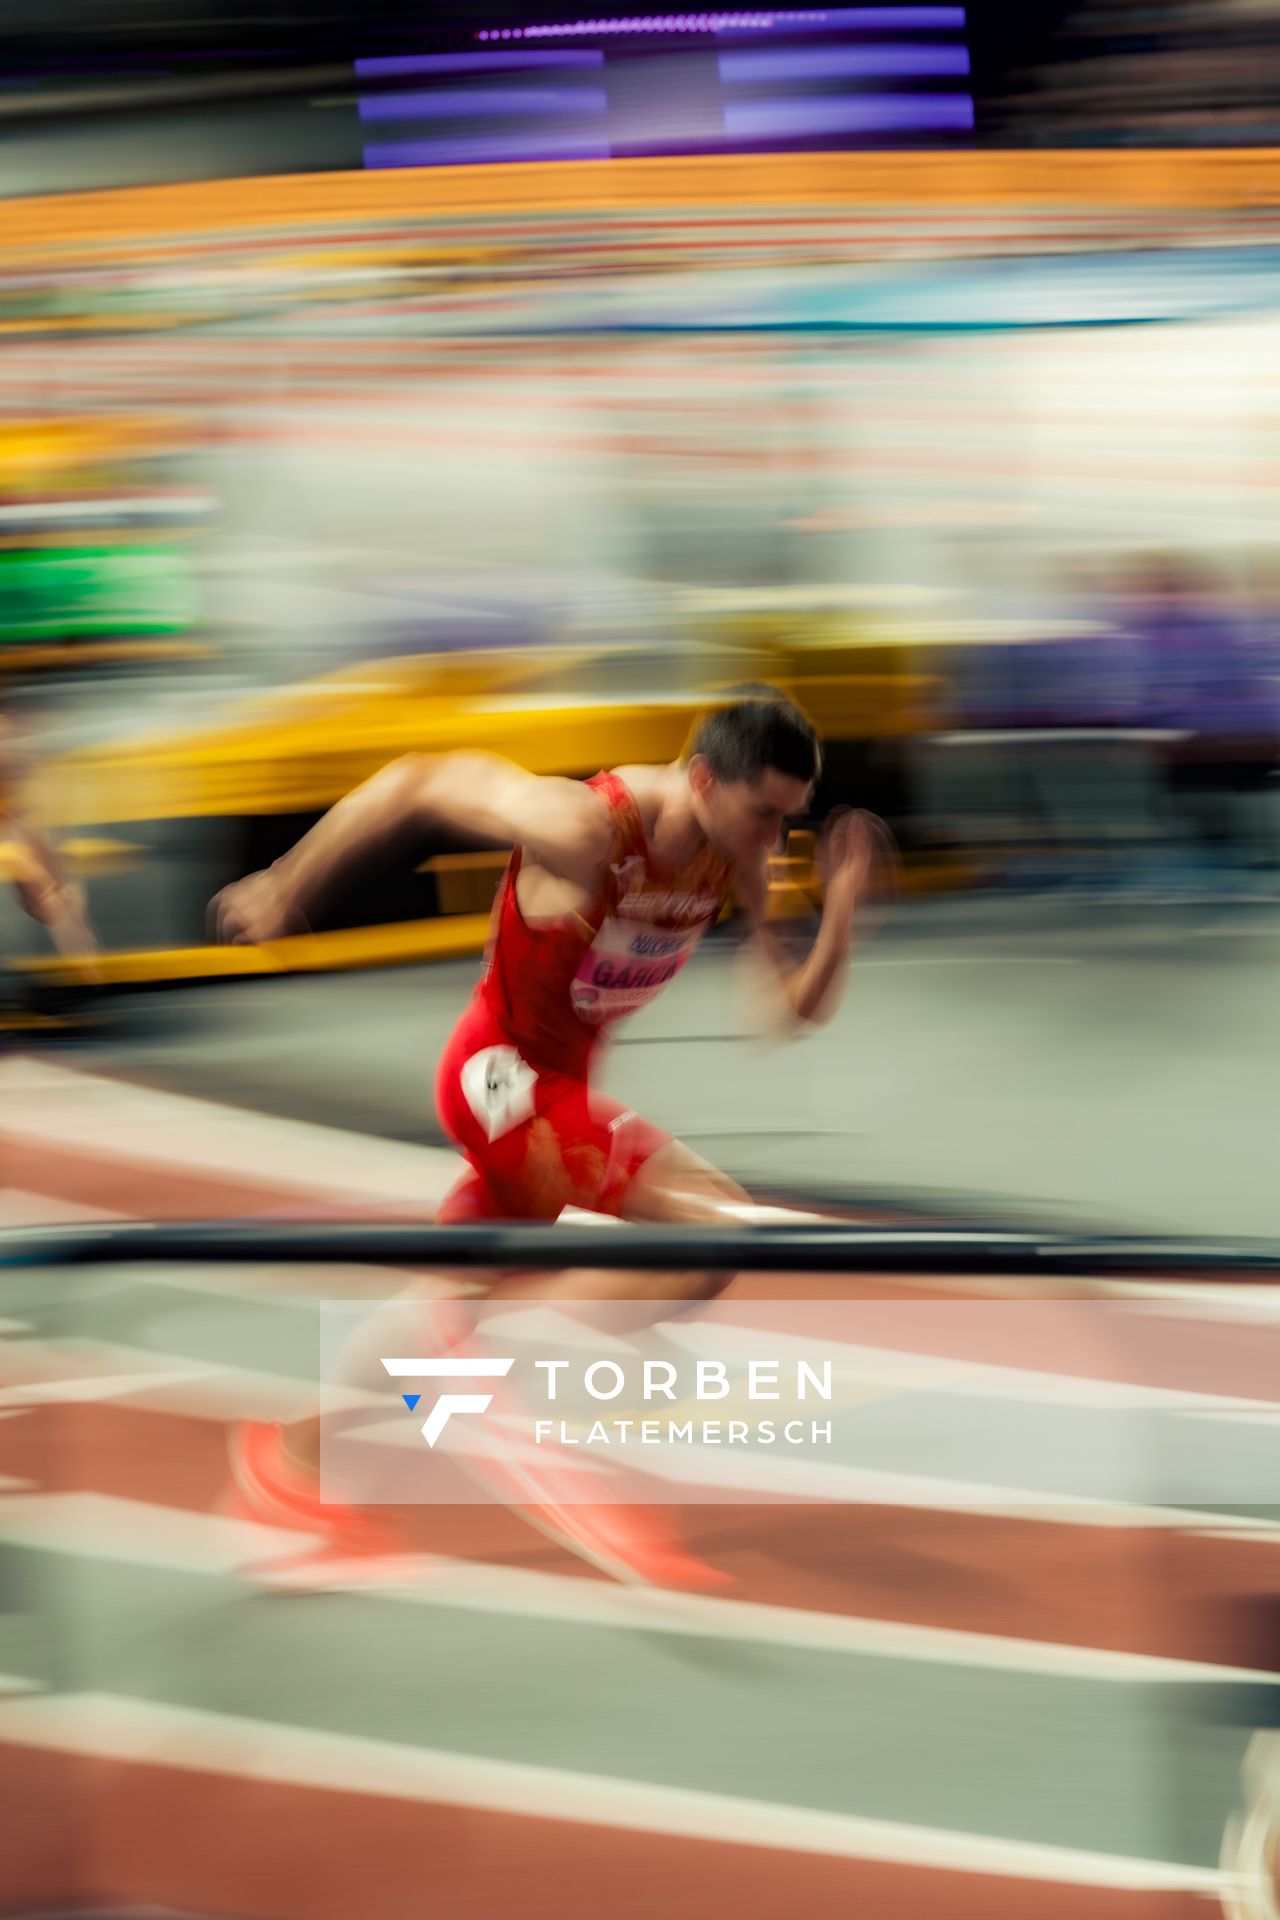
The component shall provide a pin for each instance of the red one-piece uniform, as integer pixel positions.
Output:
(513, 1086)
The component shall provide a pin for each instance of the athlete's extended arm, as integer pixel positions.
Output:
(561, 822)
(855, 858)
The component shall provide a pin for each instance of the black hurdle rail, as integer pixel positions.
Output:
(805, 1248)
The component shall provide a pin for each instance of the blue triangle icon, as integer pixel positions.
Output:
(411, 1400)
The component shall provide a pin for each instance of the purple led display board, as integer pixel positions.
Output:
(409, 66)
(668, 83)
(794, 119)
(764, 65)
(486, 103)
(858, 19)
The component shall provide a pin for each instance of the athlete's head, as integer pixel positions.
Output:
(751, 764)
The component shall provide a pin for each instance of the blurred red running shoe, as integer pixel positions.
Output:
(343, 1545)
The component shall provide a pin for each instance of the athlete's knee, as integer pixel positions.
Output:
(694, 1200)
(691, 1288)
(721, 1196)
(712, 1285)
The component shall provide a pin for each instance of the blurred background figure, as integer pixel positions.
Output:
(39, 879)
(1047, 732)
(1125, 734)
(1156, 73)
(1208, 682)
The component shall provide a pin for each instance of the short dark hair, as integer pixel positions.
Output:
(759, 728)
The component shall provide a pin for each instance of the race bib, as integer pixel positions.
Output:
(626, 965)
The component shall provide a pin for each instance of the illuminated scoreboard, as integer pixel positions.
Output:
(631, 85)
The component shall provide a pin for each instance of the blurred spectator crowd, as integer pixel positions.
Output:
(1139, 740)
(1158, 72)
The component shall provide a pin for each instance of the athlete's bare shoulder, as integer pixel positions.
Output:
(648, 786)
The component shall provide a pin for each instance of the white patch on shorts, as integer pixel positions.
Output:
(498, 1087)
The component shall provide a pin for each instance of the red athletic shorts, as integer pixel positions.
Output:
(537, 1142)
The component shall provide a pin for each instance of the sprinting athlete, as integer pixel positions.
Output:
(612, 884)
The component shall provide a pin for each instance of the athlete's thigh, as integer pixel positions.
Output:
(577, 1149)
(583, 1150)
(532, 1137)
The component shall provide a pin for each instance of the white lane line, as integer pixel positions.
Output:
(94, 1114)
(18, 1683)
(514, 1591)
(722, 1478)
(111, 1727)
(898, 1369)
(103, 1526)
(75, 1371)
(87, 1387)
(716, 1479)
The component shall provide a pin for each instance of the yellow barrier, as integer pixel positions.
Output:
(453, 937)
(299, 751)
(304, 767)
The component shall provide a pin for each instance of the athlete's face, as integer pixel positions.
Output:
(744, 818)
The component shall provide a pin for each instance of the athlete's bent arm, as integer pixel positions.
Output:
(854, 848)
(562, 822)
